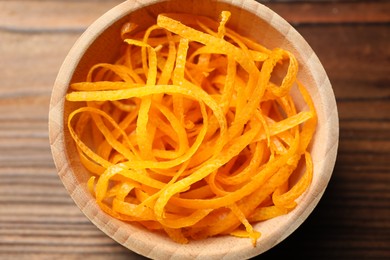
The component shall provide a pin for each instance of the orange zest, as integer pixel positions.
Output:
(192, 131)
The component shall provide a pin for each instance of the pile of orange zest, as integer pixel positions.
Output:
(192, 131)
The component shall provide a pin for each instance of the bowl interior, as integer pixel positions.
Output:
(101, 43)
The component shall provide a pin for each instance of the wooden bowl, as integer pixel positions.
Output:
(249, 18)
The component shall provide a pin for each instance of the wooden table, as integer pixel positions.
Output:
(39, 220)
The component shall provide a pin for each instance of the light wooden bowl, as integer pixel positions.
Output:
(249, 18)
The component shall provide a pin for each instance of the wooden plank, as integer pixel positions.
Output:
(304, 12)
(61, 16)
(30, 62)
(356, 60)
(354, 56)
(58, 254)
(65, 16)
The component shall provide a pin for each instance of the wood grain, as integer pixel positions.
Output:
(38, 220)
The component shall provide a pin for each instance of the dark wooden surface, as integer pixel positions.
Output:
(39, 220)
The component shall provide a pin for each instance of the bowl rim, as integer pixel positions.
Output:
(77, 192)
